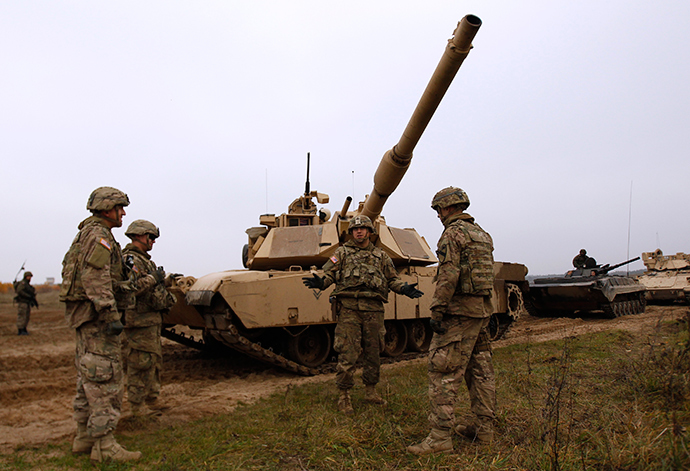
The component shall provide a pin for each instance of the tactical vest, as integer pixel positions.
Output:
(25, 293)
(155, 299)
(362, 273)
(476, 261)
(72, 288)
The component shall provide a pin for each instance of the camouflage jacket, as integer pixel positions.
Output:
(362, 273)
(25, 292)
(151, 297)
(93, 271)
(579, 261)
(465, 268)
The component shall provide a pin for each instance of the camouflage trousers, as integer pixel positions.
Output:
(144, 363)
(23, 315)
(358, 333)
(467, 353)
(100, 381)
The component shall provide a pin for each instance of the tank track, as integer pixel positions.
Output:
(625, 307)
(225, 332)
(187, 341)
(500, 323)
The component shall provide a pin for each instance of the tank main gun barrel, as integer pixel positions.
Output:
(396, 161)
(607, 268)
(346, 206)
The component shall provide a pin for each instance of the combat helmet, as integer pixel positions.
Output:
(28, 274)
(361, 221)
(142, 227)
(450, 196)
(106, 198)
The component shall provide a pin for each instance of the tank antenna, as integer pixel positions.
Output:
(629, 221)
(266, 191)
(307, 190)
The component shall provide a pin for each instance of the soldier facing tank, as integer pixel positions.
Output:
(26, 299)
(460, 312)
(143, 321)
(363, 275)
(95, 289)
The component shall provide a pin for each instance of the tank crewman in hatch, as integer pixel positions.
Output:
(460, 312)
(26, 299)
(582, 260)
(96, 289)
(143, 321)
(363, 275)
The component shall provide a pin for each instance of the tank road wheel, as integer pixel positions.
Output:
(418, 336)
(310, 347)
(396, 338)
(610, 310)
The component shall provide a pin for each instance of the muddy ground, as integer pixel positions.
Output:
(37, 376)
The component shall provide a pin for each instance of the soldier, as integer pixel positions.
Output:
(460, 312)
(143, 322)
(25, 299)
(582, 260)
(95, 291)
(363, 275)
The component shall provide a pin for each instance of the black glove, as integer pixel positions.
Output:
(114, 328)
(437, 326)
(410, 291)
(315, 282)
(159, 275)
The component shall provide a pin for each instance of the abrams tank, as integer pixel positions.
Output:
(264, 310)
(589, 290)
(667, 278)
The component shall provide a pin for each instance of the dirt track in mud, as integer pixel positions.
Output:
(37, 377)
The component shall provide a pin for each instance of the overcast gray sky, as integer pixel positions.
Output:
(567, 125)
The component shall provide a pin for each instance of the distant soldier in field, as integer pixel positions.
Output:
(96, 290)
(363, 275)
(460, 312)
(143, 321)
(26, 299)
(582, 260)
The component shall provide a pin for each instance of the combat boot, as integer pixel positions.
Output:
(106, 448)
(372, 396)
(142, 410)
(483, 433)
(438, 441)
(82, 442)
(344, 402)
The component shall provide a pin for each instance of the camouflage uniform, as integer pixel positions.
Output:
(582, 260)
(25, 299)
(94, 290)
(363, 278)
(143, 329)
(462, 302)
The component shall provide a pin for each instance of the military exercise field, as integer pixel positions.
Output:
(37, 376)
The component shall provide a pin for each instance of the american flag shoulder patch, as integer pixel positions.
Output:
(105, 244)
(334, 259)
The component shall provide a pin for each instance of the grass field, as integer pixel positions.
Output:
(607, 401)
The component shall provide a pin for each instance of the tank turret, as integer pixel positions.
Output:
(667, 278)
